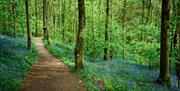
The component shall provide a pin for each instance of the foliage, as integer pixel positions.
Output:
(137, 38)
(115, 75)
(15, 61)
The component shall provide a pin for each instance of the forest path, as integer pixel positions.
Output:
(49, 74)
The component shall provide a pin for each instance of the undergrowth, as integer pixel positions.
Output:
(15, 61)
(114, 75)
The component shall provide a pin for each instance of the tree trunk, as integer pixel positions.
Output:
(93, 32)
(164, 77)
(28, 25)
(80, 36)
(177, 25)
(149, 11)
(142, 18)
(176, 41)
(99, 16)
(58, 25)
(111, 32)
(36, 26)
(123, 26)
(45, 20)
(63, 18)
(54, 23)
(14, 15)
(106, 32)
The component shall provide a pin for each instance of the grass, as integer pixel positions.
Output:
(115, 75)
(15, 61)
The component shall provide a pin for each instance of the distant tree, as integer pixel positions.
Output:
(28, 24)
(63, 18)
(93, 30)
(36, 14)
(176, 41)
(142, 16)
(164, 77)
(111, 32)
(149, 11)
(80, 36)
(177, 25)
(123, 25)
(45, 20)
(106, 31)
(14, 14)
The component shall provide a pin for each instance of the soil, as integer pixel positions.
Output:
(50, 74)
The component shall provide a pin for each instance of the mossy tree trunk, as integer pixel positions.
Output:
(80, 36)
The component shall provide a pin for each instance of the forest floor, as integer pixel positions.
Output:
(49, 74)
(112, 75)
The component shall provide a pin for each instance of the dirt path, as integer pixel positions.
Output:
(49, 74)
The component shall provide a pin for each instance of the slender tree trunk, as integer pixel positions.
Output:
(142, 18)
(123, 26)
(106, 32)
(36, 25)
(58, 26)
(92, 25)
(172, 40)
(45, 20)
(164, 77)
(54, 23)
(80, 36)
(176, 42)
(177, 25)
(111, 32)
(149, 10)
(70, 20)
(59, 19)
(28, 25)
(75, 25)
(99, 26)
(14, 15)
(63, 18)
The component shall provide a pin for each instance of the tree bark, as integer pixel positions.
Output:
(164, 77)
(36, 24)
(142, 18)
(45, 20)
(80, 36)
(99, 16)
(106, 32)
(28, 25)
(176, 41)
(123, 27)
(111, 32)
(14, 15)
(92, 25)
(54, 23)
(63, 18)
(149, 11)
